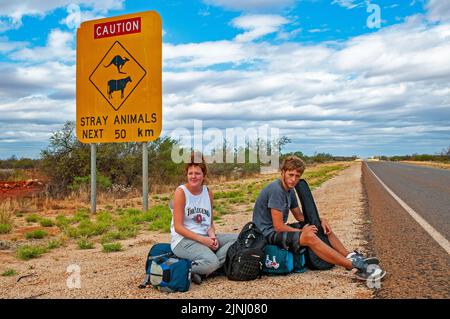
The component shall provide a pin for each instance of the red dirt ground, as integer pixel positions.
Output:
(20, 188)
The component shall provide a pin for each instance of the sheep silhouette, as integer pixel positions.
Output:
(117, 85)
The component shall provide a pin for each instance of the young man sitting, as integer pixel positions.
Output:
(271, 212)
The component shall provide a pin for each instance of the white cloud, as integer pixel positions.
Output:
(258, 26)
(49, 78)
(15, 10)
(403, 54)
(75, 16)
(375, 92)
(22, 116)
(206, 54)
(349, 4)
(390, 85)
(438, 10)
(59, 48)
(6, 45)
(7, 23)
(250, 5)
(318, 30)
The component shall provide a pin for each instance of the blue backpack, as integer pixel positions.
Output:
(280, 261)
(165, 271)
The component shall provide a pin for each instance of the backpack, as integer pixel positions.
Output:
(277, 260)
(245, 257)
(280, 261)
(165, 271)
(311, 215)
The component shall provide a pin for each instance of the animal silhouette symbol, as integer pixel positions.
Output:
(117, 85)
(119, 62)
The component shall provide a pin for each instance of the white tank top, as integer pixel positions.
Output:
(197, 214)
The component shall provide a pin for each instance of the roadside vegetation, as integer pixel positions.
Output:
(442, 157)
(60, 215)
(112, 224)
(9, 272)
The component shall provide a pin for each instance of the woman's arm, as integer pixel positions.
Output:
(179, 201)
(212, 229)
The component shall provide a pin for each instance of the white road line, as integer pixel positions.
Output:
(441, 240)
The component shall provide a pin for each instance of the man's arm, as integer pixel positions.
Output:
(298, 215)
(278, 224)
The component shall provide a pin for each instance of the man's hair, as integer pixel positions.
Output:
(293, 162)
(197, 159)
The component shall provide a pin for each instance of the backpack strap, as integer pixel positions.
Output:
(150, 259)
(145, 283)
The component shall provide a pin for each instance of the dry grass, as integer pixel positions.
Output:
(6, 223)
(429, 164)
(6, 213)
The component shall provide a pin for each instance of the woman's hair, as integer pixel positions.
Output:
(197, 159)
(293, 162)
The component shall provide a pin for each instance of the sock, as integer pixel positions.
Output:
(350, 255)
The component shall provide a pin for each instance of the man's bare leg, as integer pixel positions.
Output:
(337, 245)
(326, 253)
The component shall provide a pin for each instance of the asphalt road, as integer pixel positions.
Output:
(417, 266)
(426, 190)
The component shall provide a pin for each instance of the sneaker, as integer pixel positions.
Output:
(370, 273)
(369, 260)
(196, 279)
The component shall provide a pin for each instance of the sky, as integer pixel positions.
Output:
(346, 77)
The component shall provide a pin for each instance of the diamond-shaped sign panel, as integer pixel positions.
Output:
(117, 75)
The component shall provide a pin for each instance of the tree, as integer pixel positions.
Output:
(446, 152)
(66, 160)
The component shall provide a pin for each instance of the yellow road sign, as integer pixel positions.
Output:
(119, 65)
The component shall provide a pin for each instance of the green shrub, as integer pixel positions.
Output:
(47, 222)
(162, 218)
(85, 244)
(119, 235)
(111, 247)
(230, 194)
(104, 217)
(33, 218)
(36, 234)
(80, 182)
(103, 182)
(27, 252)
(62, 221)
(5, 228)
(87, 228)
(81, 214)
(9, 272)
(54, 243)
(71, 232)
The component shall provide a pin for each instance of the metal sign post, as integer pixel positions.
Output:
(144, 177)
(93, 178)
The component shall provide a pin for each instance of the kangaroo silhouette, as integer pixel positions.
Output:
(119, 62)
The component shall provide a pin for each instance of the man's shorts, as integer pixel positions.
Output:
(287, 240)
